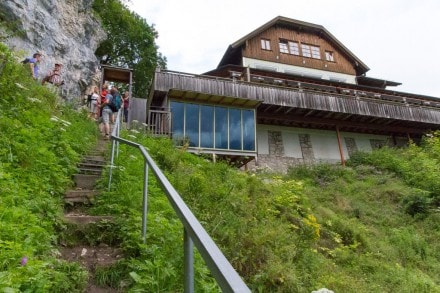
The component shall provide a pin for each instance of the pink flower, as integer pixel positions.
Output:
(24, 261)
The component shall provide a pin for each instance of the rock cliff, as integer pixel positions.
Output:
(64, 31)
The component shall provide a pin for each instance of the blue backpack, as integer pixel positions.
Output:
(116, 102)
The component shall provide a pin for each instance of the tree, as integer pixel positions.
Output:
(130, 43)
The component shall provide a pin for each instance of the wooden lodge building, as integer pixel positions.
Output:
(287, 93)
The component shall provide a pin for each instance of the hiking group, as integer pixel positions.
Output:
(103, 107)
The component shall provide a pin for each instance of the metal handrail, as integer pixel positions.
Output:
(226, 276)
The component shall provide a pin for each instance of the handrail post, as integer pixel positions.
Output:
(145, 203)
(111, 164)
(188, 252)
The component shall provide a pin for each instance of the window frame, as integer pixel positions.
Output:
(296, 50)
(265, 44)
(329, 56)
(306, 51)
(244, 140)
(316, 52)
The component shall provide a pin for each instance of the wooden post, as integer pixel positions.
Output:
(341, 152)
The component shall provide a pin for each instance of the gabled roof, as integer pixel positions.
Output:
(234, 49)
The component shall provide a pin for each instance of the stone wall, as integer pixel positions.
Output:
(277, 160)
(64, 31)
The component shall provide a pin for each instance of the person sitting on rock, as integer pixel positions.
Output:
(54, 76)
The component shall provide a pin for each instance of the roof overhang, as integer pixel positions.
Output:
(375, 82)
(191, 96)
(116, 74)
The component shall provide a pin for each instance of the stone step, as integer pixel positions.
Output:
(90, 171)
(81, 219)
(80, 196)
(91, 165)
(81, 193)
(94, 159)
(85, 181)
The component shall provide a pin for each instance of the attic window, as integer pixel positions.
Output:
(265, 44)
(283, 47)
(289, 47)
(316, 52)
(310, 51)
(306, 50)
(329, 56)
(294, 48)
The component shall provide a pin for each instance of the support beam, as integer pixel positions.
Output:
(341, 151)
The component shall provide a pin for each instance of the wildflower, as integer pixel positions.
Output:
(24, 260)
(21, 86)
(34, 100)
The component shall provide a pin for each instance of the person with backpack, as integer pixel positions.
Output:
(107, 114)
(33, 64)
(116, 103)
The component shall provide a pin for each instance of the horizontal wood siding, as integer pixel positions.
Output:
(274, 34)
(295, 98)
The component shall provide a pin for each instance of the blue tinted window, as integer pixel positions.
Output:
(213, 127)
(248, 130)
(207, 126)
(221, 128)
(234, 129)
(177, 110)
(192, 124)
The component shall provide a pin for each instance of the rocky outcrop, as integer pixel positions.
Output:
(64, 31)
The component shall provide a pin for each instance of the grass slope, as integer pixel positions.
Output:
(40, 143)
(363, 228)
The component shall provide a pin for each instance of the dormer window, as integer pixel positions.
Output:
(329, 56)
(265, 44)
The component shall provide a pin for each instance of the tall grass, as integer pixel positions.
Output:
(40, 143)
(347, 229)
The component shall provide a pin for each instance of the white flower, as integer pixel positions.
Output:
(34, 100)
(21, 86)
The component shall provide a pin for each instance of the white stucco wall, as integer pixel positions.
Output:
(262, 141)
(325, 146)
(292, 147)
(297, 70)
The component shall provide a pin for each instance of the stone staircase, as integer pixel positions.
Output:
(89, 171)
(77, 200)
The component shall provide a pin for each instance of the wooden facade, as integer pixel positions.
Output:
(252, 49)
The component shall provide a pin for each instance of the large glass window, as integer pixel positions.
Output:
(192, 124)
(207, 126)
(221, 128)
(178, 110)
(248, 130)
(235, 129)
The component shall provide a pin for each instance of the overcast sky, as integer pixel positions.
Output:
(399, 40)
